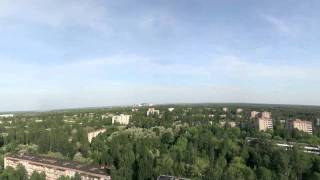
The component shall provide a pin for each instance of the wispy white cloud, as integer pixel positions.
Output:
(229, 65)
(250, 69)
(223, 66)
(74, 84)
(153, 22)
(55, 13)
(280, 24)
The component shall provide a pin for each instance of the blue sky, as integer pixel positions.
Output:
(79, 53)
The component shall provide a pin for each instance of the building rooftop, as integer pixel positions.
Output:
(61, 163)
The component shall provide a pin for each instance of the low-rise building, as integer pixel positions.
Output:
(55, 168)
(135, 109)
(223, 116)
(301, 125)
(211, 115)
(94, 134)
(121, 119)
(225, 109)
(230, 123)
(105, 116)
(239, 110)
(171, 109)
(152, 111)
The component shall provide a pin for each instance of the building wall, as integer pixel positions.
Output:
(264, 124)
(301, 125)
(52, 172)
(94, 134)
(266, 115)
(121, 119)
(254, 114)
(152, 111)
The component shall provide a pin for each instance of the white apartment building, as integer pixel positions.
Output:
(152, 111)
(121, 119)
(301, 125)
(94, 134)
(55, 168)
(263, 124)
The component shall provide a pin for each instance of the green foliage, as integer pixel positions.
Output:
(38, 176)
(75, 177)
(187, 142)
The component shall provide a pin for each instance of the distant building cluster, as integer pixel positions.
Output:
(94, 134)
(265, 122)
(55, 168)
(6, 115)
(152, 111)
(121, 119)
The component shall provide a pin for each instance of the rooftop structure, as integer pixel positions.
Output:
(301, 125)
(55, 168)
(266, 115)
(254, 114)
(121, 119)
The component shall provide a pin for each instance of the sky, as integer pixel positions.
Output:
(85, 53)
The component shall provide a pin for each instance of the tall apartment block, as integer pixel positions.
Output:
(263, 121)
(301, 125)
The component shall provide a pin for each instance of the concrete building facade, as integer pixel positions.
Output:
(263, 121)
(301, 125)
(94, 134)
(264, 124)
